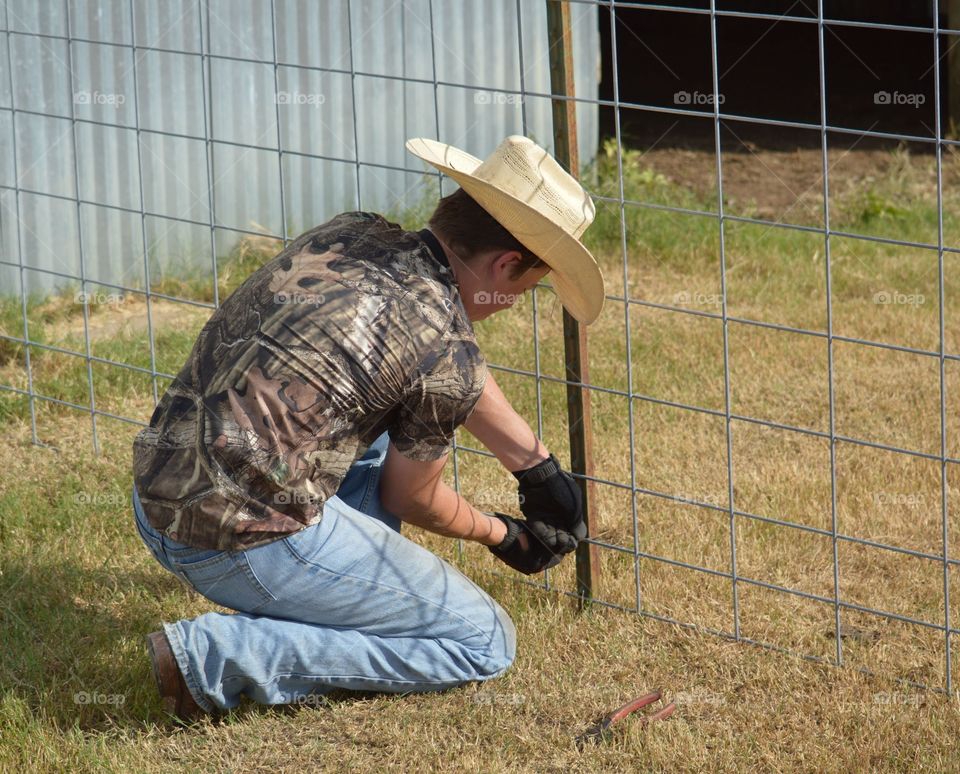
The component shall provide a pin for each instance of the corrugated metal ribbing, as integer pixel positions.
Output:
(374, 89)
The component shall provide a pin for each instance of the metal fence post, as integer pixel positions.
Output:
(953, 69)
(576, 355)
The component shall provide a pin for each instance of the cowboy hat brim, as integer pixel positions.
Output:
(576, 278)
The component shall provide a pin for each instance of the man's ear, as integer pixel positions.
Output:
(503, 264)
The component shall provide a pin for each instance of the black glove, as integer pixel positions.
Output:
(549, 494)
(531, 547)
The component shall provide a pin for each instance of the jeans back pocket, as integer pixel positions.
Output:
(224, 577)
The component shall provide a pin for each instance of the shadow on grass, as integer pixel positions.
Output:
(74, 653)
(73, 637)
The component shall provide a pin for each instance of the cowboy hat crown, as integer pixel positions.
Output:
(535, 199)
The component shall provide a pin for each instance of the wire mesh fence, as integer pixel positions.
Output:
(769, 385)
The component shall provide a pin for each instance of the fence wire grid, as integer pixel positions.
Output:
(62, 37)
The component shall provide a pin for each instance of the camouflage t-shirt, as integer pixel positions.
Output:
(356, 328)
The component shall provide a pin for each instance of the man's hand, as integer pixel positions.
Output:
(549, 494)
(531, 547)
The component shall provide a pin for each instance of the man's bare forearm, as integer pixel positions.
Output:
(503, 431)
(449, 514)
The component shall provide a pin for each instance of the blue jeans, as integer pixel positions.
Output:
(346, 603)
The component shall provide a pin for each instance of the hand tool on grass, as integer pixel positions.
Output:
(600, 731)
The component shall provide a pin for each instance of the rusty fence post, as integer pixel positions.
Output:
(574, 335)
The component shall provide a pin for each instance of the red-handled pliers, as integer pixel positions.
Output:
(601, 730)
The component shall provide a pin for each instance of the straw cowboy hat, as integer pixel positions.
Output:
(533, 198)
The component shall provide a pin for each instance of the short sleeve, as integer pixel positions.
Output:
(443, 393)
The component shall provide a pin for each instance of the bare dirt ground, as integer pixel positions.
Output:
(784, 183)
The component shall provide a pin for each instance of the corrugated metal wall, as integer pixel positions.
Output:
(343, 111)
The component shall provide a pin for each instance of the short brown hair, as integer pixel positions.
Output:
(470, 230)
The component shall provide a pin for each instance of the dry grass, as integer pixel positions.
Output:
(77, 604)
(880, 293)
(79, 590)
